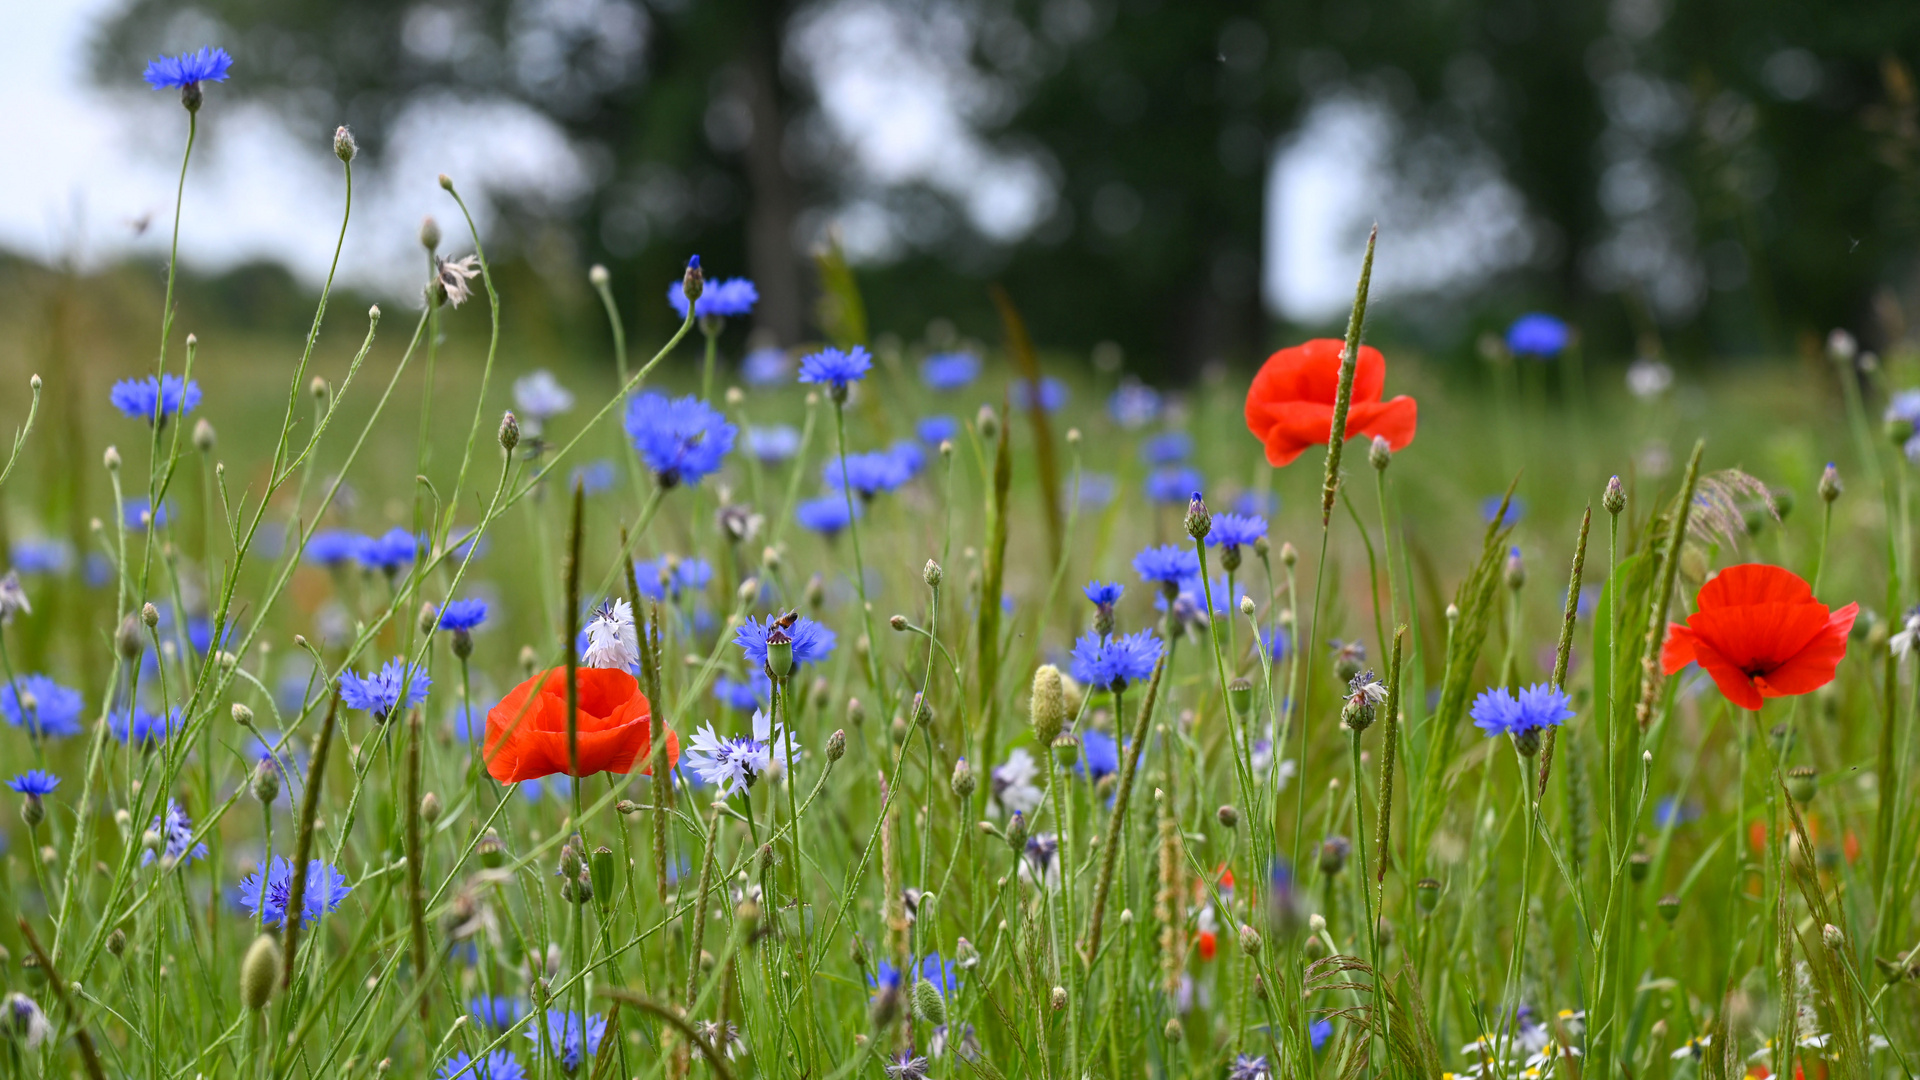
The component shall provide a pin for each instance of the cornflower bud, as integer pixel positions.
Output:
(837, 744)
(344, 147)
(932, 574)
(128, 640)
(899, 623)
(429, 233)
(242, 715)
(597, 275)
(203, 436)
(1379, 454)
(1288, 555)
(1516, 571)
(692, 283)
(1834, 938)
(988, 422)
(1249, 940)
(1199, 522)
(266, 781)
(1229, 817)
(1830, 486)
(1246, 607)
(111, 459)
(509, 431)
(1615, 498)
(429, 808)
(964, 781)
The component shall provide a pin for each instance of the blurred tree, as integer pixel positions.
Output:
(1737, 174)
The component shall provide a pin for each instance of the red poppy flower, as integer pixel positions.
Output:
(527, 732)
(1290, 404)
(1760, 633)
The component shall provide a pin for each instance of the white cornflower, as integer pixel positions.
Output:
(735, 763)
(1013, 783)
(13, 598)
(455, 277)
(1902, 642)
(612, 641)
(540, 397)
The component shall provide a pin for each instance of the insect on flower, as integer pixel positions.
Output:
(1290, 404)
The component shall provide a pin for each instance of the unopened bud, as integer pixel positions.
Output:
(260, 972)
(203, 436)
(266, 781)
(117, 942)
(932, 574)
(111, 459)
(429, 233)
(242, 714)
(1047, 709)
(988, 423)
(1229, 817)
(1615, 498)
(509, 431)
(343, 145)
(692, 283)
(964, 781)
(1289, 555)
(1379, 454)
(429, 808)
(1830, 486)
(1246, 607)
(1249, 940)
(597, 275)
(928, 1005)
(128, 640)
(1173, 1031)
(856, 712)
(1059, 998)
(1199, 522)
(1515, 574)
(837, 744)
(898, 622)
(1834, 938)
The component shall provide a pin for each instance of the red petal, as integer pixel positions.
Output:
(1678, 651)
(1754, 583)
(1393, 421)
(1732, 682)
(1813, 667)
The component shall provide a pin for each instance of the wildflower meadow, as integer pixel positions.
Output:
(409, 706)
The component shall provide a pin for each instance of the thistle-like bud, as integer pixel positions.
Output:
(1017, 832)
(1426, 895)
(1229, 817)
(128, 640)
(856, 712)
(1615, 498)
(899, 623)
(429, 233)
(1526, 743)
(1802, 783)
(1379, 454)
(203, 436)
(964, 781)
(463, 643)
(1333, 854)
(344, 147)
(111, 459)
(1639, 864)
(1174, 1032)
(932, 574)
(1047, 709)
(1830, 486)
(1199, 522)
(1289, 555)
(429, 617)
(1669, 907)
(509, 431)
(988, 423)
(928, 1005)
(33, 811)
(693, 282)
(191, 96)
(242, 715)
(266, 781)
(429, 808)
(1515, 574)
(117, 942)
(1249, 939)
(837, 744)
(1834, 938)
(260, 972)
(1246, 607)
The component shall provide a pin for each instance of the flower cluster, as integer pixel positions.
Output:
(683, 440)
(1113, 661)
(397, 686)
(155, 399)
(271, 899)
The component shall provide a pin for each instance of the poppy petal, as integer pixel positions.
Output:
(1678, 651)
(1732, 682)
(1813, 666)
(1393, 421)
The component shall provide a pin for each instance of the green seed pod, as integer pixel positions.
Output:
(1669, 907)
(1638, 865)
(1240, 696)
(779, 654)
(1426, 895)
(1802, 783)
(492, 853)
(600, 865)
(260, 972)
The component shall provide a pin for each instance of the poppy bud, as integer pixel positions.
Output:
(1615, 498)
(928, 1005)
(963, 778)
(509, 431)
(127, 639)
(1380, 454)
(1669, 907)
(1426, 895)
(1229, 817)
(932, 574)
(260, 972)
(1830, 486)
(1047, 708)
(344, 147)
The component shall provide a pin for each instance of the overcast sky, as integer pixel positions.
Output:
(95, 170)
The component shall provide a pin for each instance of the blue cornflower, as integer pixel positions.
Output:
(499, 1013)
(175, 828)
(1490, 510)
(1539, 335)
(1167, 448)
(1167, 564)
(658, 580)
(909, 456)
(394, 686)
(1235, 531)
(1498, 711)
(1052, 395)
(37, 783)
(1669, 811)
(468, 720)
(1104, 594)
(1094, 489)
(765, 367)
(325, 888)
(744, 695)
(868, 474)
(563, 1037)
(40, 556)
(139, 513)
(936, 429)
(1099, 755)
(681, 439)
(1134, 404)
(1250, 1067)
(812, 643)
(499, 1065)
(826, 515)
(1257, 503)
(772, 445)
(463, 614)
(836, 369)
(333, 548)
(200, 634)
(1174, 484)
(950, 371)
(1110, 663)
(1190, 599)
(720, 299)
(141, 728)
(1276, 642)
(1319, 1032)
(42, 706)
(187, 69)
(155, 398)
(885, 978)
(594, 477)
(389, 551)
(943, 974)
